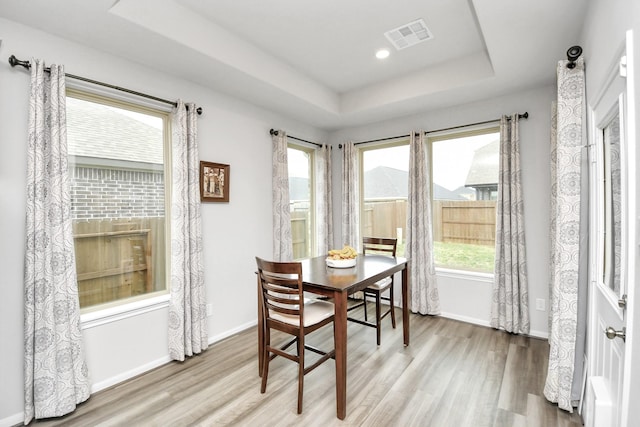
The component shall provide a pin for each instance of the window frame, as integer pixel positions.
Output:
(371, 146)
(462, 132)
(311, 152)
(99, 314)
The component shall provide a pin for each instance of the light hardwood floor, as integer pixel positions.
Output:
(452, 375)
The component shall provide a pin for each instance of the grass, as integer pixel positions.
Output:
(461, 256)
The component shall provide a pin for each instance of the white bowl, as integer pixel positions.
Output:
(341, 263)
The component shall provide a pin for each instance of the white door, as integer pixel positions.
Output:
(613, 245)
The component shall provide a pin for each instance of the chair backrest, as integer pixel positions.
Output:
(281, 288)
(379, 245)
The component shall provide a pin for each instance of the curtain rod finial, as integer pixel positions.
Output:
(13, 61)
(573, 53)
(273, 132)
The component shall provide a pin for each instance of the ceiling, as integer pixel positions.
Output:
(315, 61)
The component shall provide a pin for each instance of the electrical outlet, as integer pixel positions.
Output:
(209, 310)
(540, 306)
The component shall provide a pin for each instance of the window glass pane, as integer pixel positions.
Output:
(116, 166)
(465, 184)
(385, 187)
(300, 199)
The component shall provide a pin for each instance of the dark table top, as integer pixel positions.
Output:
(368, 270)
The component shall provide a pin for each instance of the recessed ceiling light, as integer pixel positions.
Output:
(382, 53)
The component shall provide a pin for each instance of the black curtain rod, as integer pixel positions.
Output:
(13, 61)
(275, 132)
(520, 116)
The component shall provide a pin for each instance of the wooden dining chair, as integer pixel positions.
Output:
(285, 309)
(384, 246)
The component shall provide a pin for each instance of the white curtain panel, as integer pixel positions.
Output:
(282, 239)
(55, 372)
(423, 287)
(510, 300)
(350, 196)
(568, 247)
(187, 306)
(553, 169)
(324, 209)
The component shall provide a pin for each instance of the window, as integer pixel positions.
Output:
(385, 184)
(465, 189)
(118, 201)
(301, 198)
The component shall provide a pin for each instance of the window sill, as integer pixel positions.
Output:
(123, 311)
(465, 275)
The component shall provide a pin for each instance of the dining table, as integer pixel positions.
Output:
(337, 284)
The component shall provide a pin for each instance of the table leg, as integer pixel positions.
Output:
(340, 341)
(405, 303)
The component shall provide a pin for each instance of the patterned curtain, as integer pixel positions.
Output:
(55, 372)
(282, 241)
(324, 209)
(510, 301)
(568, 239)
(187, 306)
(350, 196)
(423, 288)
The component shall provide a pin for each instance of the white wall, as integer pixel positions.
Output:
(230, 132)
(470, 299)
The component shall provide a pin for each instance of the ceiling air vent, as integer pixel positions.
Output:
(407, 35)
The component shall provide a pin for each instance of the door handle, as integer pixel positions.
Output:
(612, 333)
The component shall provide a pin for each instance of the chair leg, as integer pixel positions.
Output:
(392, 306)
(378, 320)
(265, 359)
(300, 371)
(364, 305)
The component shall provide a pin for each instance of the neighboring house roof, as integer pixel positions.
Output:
(99, 131)
(382, 183)
(385, 182)
(465, 192)
(484, 166)
(441, 193)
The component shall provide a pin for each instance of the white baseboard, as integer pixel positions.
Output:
(129, 374)
(466, 319)
(12, 420)
(230, 332)
(162, 361)
(482, 322)
(539, 334)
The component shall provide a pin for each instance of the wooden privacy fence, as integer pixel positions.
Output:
(455, 221)
(118, 258)
(458, 221)
(300, 233)
(383, 218)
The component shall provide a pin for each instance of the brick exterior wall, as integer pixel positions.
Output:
(111, 193)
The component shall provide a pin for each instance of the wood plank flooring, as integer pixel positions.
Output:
(452, 375)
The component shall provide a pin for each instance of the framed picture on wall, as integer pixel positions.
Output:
(214, 182)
